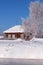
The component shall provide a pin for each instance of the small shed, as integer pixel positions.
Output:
(14, 32)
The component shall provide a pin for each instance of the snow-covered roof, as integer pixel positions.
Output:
(17, 28)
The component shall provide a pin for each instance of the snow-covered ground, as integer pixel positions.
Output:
(1, 37)
(32, 49)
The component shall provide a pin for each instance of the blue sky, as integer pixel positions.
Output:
(11, 11)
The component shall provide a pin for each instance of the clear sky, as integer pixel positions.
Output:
(11, 11)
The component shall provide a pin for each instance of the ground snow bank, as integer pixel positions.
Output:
(22, 49)
(1, 37)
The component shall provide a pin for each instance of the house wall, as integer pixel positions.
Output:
(18, 35)
(13, 35)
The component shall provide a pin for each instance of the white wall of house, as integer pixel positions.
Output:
(9, 36)
(13, 36)
(22, 36)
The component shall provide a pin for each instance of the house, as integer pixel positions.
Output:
(14, 32)
(17, 32)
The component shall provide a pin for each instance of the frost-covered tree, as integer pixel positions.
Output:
(33, 23)
(36, 15)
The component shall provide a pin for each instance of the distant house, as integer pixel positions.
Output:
(14, 32)
(17, 32)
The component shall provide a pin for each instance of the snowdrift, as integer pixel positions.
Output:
(32, 49)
